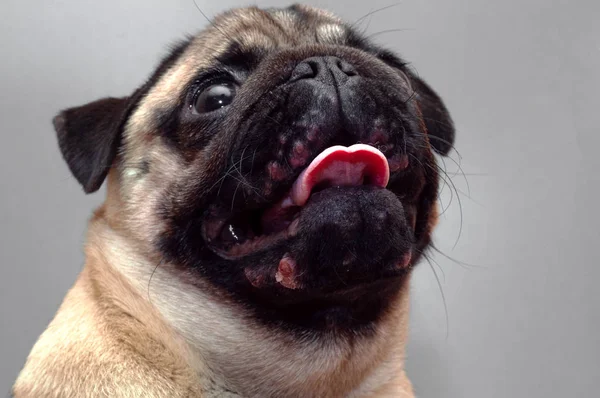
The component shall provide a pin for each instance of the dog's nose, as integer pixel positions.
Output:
(324, 69)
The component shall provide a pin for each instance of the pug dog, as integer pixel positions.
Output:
(268, 191)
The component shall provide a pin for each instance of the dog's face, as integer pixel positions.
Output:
(220, 169)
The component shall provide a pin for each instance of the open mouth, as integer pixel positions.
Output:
(238, 234)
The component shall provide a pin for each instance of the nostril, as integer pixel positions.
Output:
(314, 66)
(325, 69)
(346, 67)
(304, 70)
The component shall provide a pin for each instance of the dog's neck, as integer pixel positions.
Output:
(232, 354)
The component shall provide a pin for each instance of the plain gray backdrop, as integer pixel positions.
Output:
(521, 80)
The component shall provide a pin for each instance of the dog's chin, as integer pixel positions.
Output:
(345, 248)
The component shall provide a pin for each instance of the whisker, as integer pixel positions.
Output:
(461, 213)
(234, 194)
(454, 174)
(253, 157)
(443, 299)
(430, 258)
(240, 172)
(214, 25)
(358, 21)
(227, 174)
(445, 142)
(412, 96)
(388, 31)
(439, 194)
(242, 159)
(366, 28)
(443, 176)
(453, 186)
(224, 177)
(443, 159)
(461, 263)
(246, 184)
(151, 276)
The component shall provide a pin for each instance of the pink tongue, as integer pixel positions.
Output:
(336, 166)
(340, 166)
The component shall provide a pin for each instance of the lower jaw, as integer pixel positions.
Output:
(353, 309)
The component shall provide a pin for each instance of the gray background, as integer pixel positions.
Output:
(520, 78)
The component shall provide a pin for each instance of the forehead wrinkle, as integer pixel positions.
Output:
(260, 38)
(284, 16)
(258, 28)
(303, 25)
(234, 20)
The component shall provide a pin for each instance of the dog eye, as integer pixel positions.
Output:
(214, 97)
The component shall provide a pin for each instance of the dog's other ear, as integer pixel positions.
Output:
(89, 137)
(436, 117)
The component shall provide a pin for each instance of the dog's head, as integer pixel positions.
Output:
(279, 158)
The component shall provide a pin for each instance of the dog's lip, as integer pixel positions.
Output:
(356, 165)
(343, 295)
(289, 277)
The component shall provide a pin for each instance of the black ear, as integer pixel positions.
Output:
(436, 117)
(89, 137)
